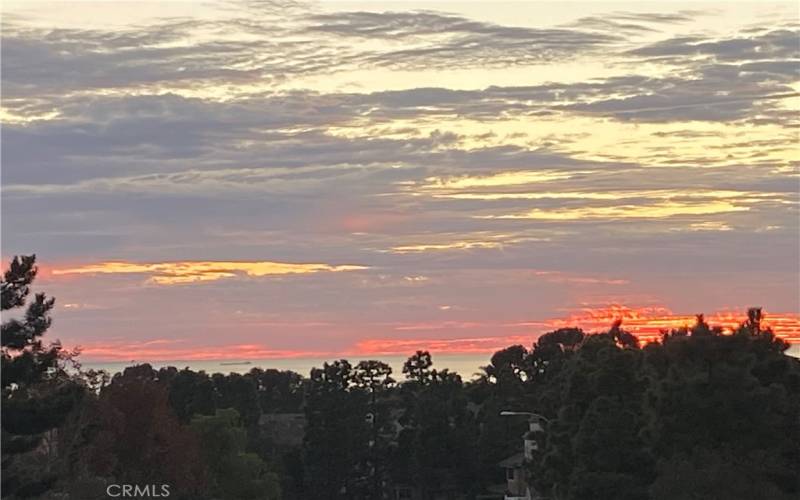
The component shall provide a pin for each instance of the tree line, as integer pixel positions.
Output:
(701, 413)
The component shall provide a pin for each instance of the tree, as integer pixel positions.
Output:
(550, 350)
(238, 392)
(336, 444)
(737, 395)
(191, 393)
(593, 449)
(131, 435)
(417, 368)
(713, 475)
(374, 378)
(37, 393)
(278, 391)
(438, 443)
(233, 473)
(25, 360)
(507, 370)
(611, 461)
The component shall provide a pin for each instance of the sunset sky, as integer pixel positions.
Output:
(277, 178)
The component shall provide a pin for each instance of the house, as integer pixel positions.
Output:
(518, 480)
(516, 477)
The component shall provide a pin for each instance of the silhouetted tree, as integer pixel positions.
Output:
(593, 449)
(374, 378)
(135, 437)
(278, 391)
(550, 350)
(507, 370)
(233, 474)
(718, 474)
(337, 433)
(735, 396)
(192, 393)
(437, 445)
(37, 393)
(417, 368)
(240, 393)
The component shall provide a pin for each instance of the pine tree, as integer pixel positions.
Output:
(37, 394)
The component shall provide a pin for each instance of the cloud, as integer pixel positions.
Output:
(247, 45)
(176, 273)
(435, 39)
(456, 245)
(645, 211)
(253, 51)
(635, 23)
(172, 350)
(702, 100)
(417, 143)
(766, 44)
(721, 79)
(589, 195)
(647, 322)
(474, 345)
(494, 180)
(562, 277)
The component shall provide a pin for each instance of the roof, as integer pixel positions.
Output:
(513, 461)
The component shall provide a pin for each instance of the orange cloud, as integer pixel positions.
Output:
(172, 273)
(645, 322)
(479, 345)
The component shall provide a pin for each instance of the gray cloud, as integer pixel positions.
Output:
(635, 23)
(154, 173)
(761, 45)
(70, 60)
(730, 79)
(413, 25)
(724, 80)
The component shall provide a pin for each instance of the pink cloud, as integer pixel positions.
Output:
(172, 350)
(645, 322)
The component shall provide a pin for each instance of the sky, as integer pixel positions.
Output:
(231, 179)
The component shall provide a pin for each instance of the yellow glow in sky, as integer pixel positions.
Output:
(456, 245)
(661, 210)
(664, 194)
(171, 273)
(499, 179)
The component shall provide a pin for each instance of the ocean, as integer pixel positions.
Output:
(466, 365)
